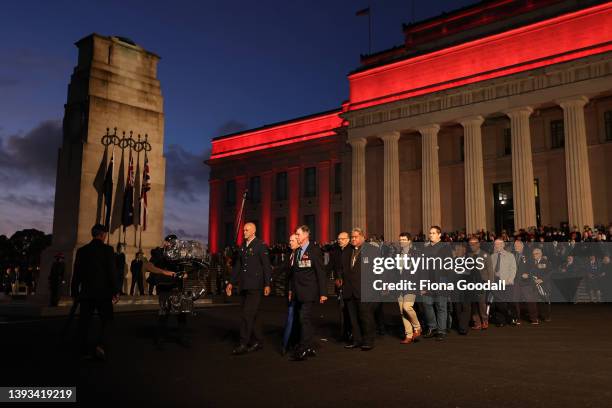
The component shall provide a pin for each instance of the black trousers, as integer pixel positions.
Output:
(362, 321)
(250, 328)
(162, 320)
(54, 297)
(137, 280)
(304, 313)
(504, 307)
(463, 313)
(105, 312)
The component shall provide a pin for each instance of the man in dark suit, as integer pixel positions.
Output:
(94, 286)
(252, 269)
(334, 268)
(306, 286)
(361, 313)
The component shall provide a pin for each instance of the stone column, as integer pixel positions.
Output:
(391, 186)
(241, 185)
(358, 182)
(293, 186)
(266, 207)
(430, 172)
(579, 198)
(214, 215)
(475, 216)
(323, 173)
(523, 189)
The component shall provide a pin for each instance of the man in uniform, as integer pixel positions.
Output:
(253, 271)
(307, 286)
(94, 285)
(335, 268)
(165, 281)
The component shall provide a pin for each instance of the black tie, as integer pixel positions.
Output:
(299, 254)
(498, 262)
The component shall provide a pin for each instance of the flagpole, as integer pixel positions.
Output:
(240, 214)
(109, 210)
(136, 174)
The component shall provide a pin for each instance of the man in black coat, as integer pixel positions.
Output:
(334, 268)
(253, 271)
(361, 313)
(306, 286)
(56, 278)
(94, 286)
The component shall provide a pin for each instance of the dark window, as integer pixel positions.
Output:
(310, 221)
(310, 182)
(507, 141)
(229, 234)
(462, 148)
(280, 230)
(255, 189)
(608, 125)
(338, 178)
(337, 223)
(556, 134)
(281, 186)
(230, 193)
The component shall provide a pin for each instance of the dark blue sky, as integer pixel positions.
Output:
(225, 65)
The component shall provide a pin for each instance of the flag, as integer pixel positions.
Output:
(146, 186)
(108, 190)
(127, 212)
(363, 12)
(137, 192)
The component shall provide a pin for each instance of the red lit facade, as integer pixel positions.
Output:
(299, 171)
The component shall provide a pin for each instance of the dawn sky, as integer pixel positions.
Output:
(226, 66)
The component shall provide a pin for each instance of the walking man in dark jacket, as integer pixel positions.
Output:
(94, 286)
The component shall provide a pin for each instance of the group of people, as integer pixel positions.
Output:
(535, 268)
(16, 278)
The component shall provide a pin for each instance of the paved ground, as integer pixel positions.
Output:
(565, 363)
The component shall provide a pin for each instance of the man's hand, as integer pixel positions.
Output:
(525, 275)
(322, 299)
(290, 295)
(338, 283)
(228, 289)
(185, 276)
(171, 274)
(539, 281)
(267, 291)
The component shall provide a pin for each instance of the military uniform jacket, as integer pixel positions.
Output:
(307, 280)
(94, 272)
(252, 268)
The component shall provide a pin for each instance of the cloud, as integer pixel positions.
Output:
(6, 82)
(30, 201)
(231, 126)
(186, 174)
(31, 156)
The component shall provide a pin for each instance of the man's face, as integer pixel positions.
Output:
(498, 245)
(474, 245)
(357, 239)
(249, 231)
(404, 242)
(302, 236)
(343, 239)
(606, 259)
(518, 246)
(537, 254)
(570, 259)
(434, 235)
(293, 243)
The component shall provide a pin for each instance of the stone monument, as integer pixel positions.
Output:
(114, 85)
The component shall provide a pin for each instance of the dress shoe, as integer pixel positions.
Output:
(417, 333)
(485, 325)
(429, 333)
(462, 332)
(255, 347)
(240, 350)
(366, 347)
(535, 322)
(476, 327)
(299, 355)
(310, 352)
(351, 346)
(407, 340)
(440, 336)
(515, 322)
